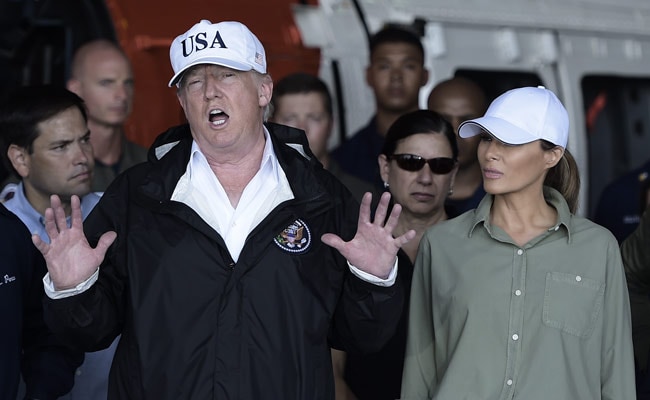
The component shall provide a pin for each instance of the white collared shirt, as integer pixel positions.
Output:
(200, 189)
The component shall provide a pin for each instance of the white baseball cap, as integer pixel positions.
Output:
(521, 116)
(230, 44)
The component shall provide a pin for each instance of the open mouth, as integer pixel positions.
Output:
(218, 117)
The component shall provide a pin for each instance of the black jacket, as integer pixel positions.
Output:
(196, 325)
(26, 343)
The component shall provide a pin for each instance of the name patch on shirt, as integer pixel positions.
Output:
(295, 238)
(6, 279)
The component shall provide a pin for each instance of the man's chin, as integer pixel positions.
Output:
(78, 193)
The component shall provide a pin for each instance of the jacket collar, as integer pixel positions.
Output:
(171, 150)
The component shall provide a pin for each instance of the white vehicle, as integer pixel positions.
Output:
(594, 54)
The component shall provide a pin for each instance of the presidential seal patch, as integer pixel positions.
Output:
(295, 238)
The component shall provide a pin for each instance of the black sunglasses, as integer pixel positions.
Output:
(411, 162)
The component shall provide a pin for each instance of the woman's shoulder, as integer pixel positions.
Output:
(586, 229)
(459, 225)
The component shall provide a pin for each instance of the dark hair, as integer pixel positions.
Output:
(564, 177)
(301, 83)
(25, 107)
(419, 121)
(395, 34)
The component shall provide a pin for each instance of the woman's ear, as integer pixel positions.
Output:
(384, 167)
(553, 156)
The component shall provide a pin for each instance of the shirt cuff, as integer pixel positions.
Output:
(373, 279)
(61, 294)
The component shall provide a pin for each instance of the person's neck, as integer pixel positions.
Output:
(523, 215)
(107, 142)
(325, 160)
(420, 225)
(41, 202)
(384, 119)
(236, 171)
(467, 180)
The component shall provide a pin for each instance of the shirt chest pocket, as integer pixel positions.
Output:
(572, 303)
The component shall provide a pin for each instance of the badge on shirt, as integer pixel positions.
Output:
(295, 238)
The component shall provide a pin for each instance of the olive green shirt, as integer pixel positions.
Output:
(492, 320)
(103, 175)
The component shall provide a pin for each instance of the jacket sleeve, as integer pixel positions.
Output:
(617, 357)
(419, 376)
(635, 251)
(92, 319)
(48, 366)
(366, 315)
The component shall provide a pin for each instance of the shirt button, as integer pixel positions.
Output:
(520, 252)
(517, 292)
(515, 337)
(578, 278)
(509, 382)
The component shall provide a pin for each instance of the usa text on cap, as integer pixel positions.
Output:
(230, 44)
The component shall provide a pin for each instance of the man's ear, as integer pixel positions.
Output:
(19, 158)
(425, 77)
(74, 86)
(265, 90)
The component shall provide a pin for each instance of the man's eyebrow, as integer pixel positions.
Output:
(60, 142)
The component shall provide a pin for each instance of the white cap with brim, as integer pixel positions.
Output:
(230, 44)
(521, 116)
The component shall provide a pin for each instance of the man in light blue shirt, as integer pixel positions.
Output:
(14, 198)
(46, 142)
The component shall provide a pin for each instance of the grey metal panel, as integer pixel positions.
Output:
(614, 16)
(561, 41)
(613, 148)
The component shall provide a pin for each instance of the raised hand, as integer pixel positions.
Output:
(70, 259)
(373, 248)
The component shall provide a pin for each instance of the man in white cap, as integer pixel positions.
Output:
(216, 260)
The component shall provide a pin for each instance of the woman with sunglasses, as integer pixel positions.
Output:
(418, 163)
(520, 298)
